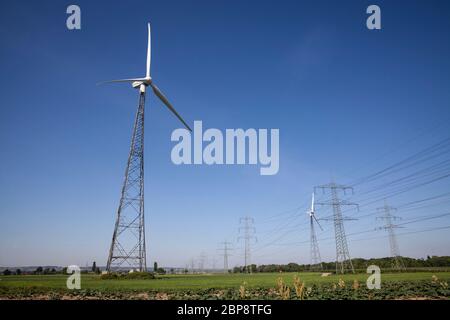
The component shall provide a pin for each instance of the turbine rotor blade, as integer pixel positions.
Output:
(317, 222)
(121, 80)
(168, 105)
(149, 51)
(312, 203)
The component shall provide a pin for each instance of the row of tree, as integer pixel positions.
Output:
(94, 269)
(358, 263)
(39, 270)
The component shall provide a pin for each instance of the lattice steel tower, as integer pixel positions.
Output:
(248, 236)
(389, 227)
(343, 259)
(226, 254)
(128, 241)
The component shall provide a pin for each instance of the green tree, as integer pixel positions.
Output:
(6, 272)
(155, 266)
(94, 267)
(160, 271)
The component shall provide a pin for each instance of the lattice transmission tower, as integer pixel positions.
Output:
(343, 259)
(202, 261)
(226, 253)
(249, 235)
(389, 227)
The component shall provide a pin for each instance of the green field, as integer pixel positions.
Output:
(217, 281)
(226, 286)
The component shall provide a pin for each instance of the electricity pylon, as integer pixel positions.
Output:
(316, 261)
(226, 254)
(213, 263)
(249, 232)
(192, 263)
(128, 240)
(201, 261)
(343, 259)
(389, 227)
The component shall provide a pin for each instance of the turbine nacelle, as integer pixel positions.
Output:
(146, 82)
(136, 84)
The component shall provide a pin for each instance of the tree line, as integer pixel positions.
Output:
(358, 264)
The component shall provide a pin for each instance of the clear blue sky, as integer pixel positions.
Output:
(347, 102)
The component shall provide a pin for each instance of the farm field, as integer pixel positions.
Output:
(231, 286)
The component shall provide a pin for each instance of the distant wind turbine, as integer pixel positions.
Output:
(316, 262)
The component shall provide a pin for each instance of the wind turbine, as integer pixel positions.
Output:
(316, 261)
(128, 240)
(143, 83)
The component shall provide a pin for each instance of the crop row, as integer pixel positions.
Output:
(336, 291)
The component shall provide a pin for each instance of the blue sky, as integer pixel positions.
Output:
(348, 102)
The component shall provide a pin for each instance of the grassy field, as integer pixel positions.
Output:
(414, 284)
(192, 282)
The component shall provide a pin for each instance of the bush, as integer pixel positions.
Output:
(133, 275)
(160, 271)
(140, 275)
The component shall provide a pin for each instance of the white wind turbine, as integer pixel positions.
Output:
(128, 240)
(316, 261)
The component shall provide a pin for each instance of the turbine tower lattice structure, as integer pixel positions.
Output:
(128, 242)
